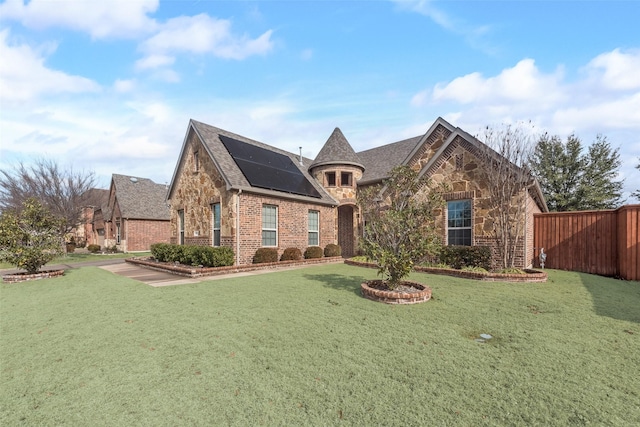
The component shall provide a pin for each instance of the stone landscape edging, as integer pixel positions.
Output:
(190, 271)
(532, 276)
(397, 297)
(25, 277)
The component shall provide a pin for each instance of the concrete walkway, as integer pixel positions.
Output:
(150, 277)
(160, 278)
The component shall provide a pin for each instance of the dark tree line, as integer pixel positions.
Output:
(572, 179)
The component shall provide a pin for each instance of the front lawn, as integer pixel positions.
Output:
(302, 347)
(79, 257)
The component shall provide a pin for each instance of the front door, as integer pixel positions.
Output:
(345, 230)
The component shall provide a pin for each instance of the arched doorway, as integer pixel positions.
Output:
(345, 230)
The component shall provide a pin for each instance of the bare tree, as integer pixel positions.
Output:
(506, 154)
(62, 190)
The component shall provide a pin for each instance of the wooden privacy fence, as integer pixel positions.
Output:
(597, 242)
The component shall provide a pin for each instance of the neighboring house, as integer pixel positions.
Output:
(134, 217)
(92, 199)
(232, 191)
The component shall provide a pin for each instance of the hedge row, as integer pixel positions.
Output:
(263, 255)
(466, 256)
(205, 256)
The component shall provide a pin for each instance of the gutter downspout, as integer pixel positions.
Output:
(238, 228)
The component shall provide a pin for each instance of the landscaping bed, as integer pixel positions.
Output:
(530, 276)
(191, 271)
(25, 277)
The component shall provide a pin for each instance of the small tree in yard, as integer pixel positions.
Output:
(505, 154)
(400, 225)
(31, 238)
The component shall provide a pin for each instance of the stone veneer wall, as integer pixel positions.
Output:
(345, 195)
(461, 171)
(195, 191)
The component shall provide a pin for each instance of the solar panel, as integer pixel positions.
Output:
(266, 169)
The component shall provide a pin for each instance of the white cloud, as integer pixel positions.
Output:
(202, 34)
(154, 61)
(604, 99)
(124, 86)
(474, 35)
(100, 19)
(522, 83)
(24, 76)
(617, 70)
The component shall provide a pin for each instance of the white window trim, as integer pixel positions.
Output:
(269, 229)
(446, 222)
(213, 224)
(316, 231)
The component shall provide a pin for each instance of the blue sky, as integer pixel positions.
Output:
(110, 86)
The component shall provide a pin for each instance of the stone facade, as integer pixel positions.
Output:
(446, 155)
(197, 188)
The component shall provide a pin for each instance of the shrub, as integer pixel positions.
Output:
(160, 251)
(400, 228)
(263, 255)
(94, 249)
(313, 252)
(31, 238)
(466, 256)
(291, 254)
(206, 256)
(332, 250)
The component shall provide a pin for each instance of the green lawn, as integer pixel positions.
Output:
(76, 257)
(302, 347)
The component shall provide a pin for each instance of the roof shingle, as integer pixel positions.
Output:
(140, 198)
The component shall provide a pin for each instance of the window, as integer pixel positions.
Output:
(330, 178)
(269, 225)
(345, 179)
(215, 224)
(459, 222)
(118, 232)
(314, 228)
(181, 227)
(196, 161)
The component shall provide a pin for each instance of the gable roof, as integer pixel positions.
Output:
(337, 150)
(96, 198)
(459, 137)
(231, 172)
(139, 198)
(379, 161)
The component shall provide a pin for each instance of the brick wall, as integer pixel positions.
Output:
(292, 224)
(195, 191)
(141, 234)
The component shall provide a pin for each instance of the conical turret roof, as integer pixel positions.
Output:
(337, 151)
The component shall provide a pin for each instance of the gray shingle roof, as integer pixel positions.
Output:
(232, 174)
(379, 161)
(140, 198)
(337, 150)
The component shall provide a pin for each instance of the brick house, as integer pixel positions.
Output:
(92, 199)
(233, 191)
(134, 216)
